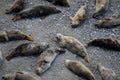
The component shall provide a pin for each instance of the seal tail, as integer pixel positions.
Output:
(10, 56)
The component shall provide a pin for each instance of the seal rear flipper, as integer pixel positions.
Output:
(16, 17)
(11, 55)
(29, 38)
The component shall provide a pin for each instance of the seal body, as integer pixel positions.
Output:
(73, 45)
(108, 22)
(36, 11)
(9, 35)
(108, 43)
(21, 75)
(28, 49)
(79, 69)
(60, 2)
(101, 7)
(1, 58)
(45, 61)
(17, 6)
(79, 16)
(106, 73)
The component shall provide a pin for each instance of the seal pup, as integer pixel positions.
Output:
(1, 58)
(79, 69)
(73, 45)
(9, 35)
(45, 61)
(108, 43)
(28, 49)
(109, 22)
(17, 6)
(60, 2)
(21, 75)
(101, 7)
(79, 16)
(36, 11)
(106, 73)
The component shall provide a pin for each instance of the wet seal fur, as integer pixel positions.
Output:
(108, 43)
(9, 35)
(106, 73)
(101, 7)
(28, 49)
(1, 58)
(79, 69)
(79, 16)
(36, 11)
(17, 6)
(60, 2)
(73, 45)
(109, 22)
(21, 75)
(45, 61)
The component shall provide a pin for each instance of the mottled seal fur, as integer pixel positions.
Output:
(36, 11)
(73, 45)
(106, 73)
(79, 16)
(79, 69)
(109, 22)
(17, 6)
(28, 49)
(101, 7)
(108, 43)
(10, 35)
(21, 75)
(45, 61)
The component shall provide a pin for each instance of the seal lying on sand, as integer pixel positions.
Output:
(109, 43)
(36, 11)
(45, 61)
(79, 69)
(109, 22)
(21, 75)
(60, 2)
(79, 16)
(106, 73)
(28, 49)
(73, 45)
(17, 6)
(9, 35)
(101, 7)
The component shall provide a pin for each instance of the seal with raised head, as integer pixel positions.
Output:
(1, 58)
(21, 75)
(73, 45)
(79, 16)
(36, 11)
(109, 22)
(101, 7)
(108, 43)
(28, 49)
(106, 73)
(60, 2)
(17, 6)
(79, 69)
(9, 35)
(45, 61)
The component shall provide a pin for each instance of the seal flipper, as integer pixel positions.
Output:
(11, 55)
